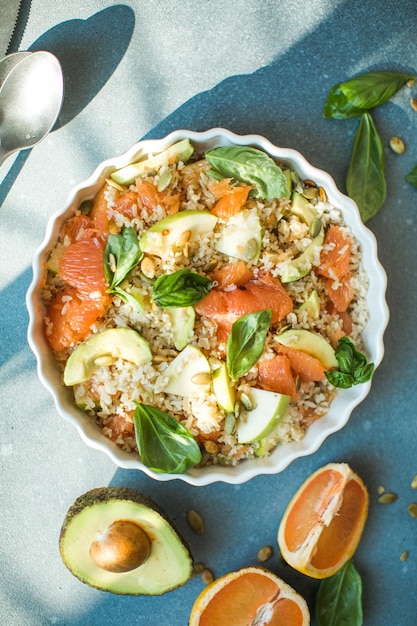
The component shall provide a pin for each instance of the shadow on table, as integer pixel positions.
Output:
(283, 101)
(89, 52)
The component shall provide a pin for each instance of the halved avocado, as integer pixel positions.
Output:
(104, 349)
(118, 540)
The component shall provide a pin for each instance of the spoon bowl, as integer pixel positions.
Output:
(9, 62)
(30, 101)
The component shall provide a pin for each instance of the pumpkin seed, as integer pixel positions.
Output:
(195, 521)
(387, 498)
(413, 102)
(251, 248)
(164, 179)
(309, 183)
(147, 267)
(229, 423)
(202, 378)
(414, 482)
(315, 227)
(211, 265)
(86, 206)
(404, 555)
(380, 489)
(412, 509)
(246, 402)
(211, 447)
(310, 193)
(322, 194)
(207, 576)
(397, 145)
(264, 554)
(198, 568)
(411, 82)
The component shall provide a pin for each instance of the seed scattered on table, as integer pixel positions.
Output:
(264, 554)
(412, 509)
(380, 489)
(414, 482)
(198, 568)
(397, 145)
(195, 521)
(387, 498)
(413, 102)
(404, 555)
(207, 576)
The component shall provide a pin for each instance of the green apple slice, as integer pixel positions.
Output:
(241, 237)
(311, 343)
(163, 237)
(189, 374)
(180, 151)
(269, 409)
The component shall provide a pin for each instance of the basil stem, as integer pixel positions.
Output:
(339, 598)
(121, 254)
(180, 289)
(246, 342)
(164, 444)
(251, 166)
(364, 92)
(354, 368)
(365, 180)
(412, 176)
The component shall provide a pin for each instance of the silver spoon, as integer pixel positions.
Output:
(30, 100)
(9, 62)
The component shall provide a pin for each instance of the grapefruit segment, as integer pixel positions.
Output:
(306, 366)
(225, 307)
(251, 595)
(232, 274)
(335, 256)
(70, 317)
(82, 266)
(275, 375)
(324, 521)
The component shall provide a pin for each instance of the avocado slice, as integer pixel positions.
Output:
(189, 374)
(118, 540)
(104, 349)
(164, 236)
(182, 325)
(301, 265)
(241, 237)
(223, 389)
(180, 151)
(302, 208)
(268, 410)
(312, 305)
(311, 343)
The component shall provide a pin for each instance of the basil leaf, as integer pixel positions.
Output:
(164, 444)
(354, 368)
(246, 342)
(412, 176)
(182, 288)
(121, 254)
(364, 92)
(340, 379)
(365, 181)
(339, 599)
(251, 166)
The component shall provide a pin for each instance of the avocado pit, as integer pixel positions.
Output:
(122, 547)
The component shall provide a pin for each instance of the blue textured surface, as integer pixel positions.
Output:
(143, 69)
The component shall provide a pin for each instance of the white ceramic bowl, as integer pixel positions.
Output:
(341, 407)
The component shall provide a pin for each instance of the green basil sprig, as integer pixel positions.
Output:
(354, 368)
(362, 93)
(121, 254)
(246, 342)
(365, 180)
(251, 166)
(339, 598)
(182, 288)
(164, 444)
(412, 176)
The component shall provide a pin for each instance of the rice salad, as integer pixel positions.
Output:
(252, 237)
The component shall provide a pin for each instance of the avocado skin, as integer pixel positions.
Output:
(100, 495)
